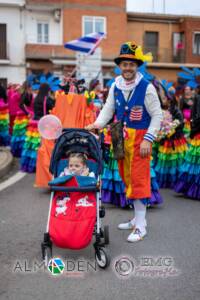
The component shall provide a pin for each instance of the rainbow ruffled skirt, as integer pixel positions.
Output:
(4, 124)
(171, 156)
(189, 178)
(19, 133)
(30, 147)
(113, 188)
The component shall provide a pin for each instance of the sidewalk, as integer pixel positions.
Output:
(6, 160)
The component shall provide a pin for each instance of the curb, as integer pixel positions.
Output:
(6, 160)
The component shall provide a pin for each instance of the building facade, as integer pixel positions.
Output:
(12, 43)
(42, 27)
(173, 40)
(76, 18)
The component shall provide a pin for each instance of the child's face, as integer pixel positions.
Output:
(76, 165)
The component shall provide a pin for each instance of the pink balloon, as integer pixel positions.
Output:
(50, 127)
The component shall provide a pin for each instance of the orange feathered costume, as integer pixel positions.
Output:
(73, 111)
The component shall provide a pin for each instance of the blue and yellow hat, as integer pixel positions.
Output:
(133, 52)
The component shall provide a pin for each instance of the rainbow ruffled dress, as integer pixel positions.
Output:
(171, 155)
(30, 147)
(189, 179)
(113, 188)
(172, 149)
(19, 133)
(4, 124)
(156, 197)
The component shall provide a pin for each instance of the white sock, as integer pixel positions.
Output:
(133, 221)
(140, 215)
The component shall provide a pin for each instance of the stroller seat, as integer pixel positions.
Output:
(75, 205)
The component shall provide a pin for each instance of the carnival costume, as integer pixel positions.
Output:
(172, 149)
(135, 103)
(4, 124)
(189, 179)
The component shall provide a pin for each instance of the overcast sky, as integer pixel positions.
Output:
(179, 7)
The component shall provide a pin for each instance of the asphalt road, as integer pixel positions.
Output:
(171, 247)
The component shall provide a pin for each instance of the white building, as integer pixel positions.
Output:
(12, 57)
(43, 35)
(25, 31)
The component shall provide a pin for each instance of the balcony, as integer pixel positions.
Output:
(42, 51)
(166, 55)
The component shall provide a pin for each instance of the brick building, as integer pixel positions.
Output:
(173, 40)
(46, 25)
(75, 18)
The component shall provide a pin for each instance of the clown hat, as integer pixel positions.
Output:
(131, 51)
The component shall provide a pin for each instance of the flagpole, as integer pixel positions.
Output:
(89, 53)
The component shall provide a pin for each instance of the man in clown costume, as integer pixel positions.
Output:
(134, 101)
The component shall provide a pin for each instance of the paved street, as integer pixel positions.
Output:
(173, 232)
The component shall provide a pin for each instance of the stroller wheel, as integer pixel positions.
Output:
(47, 255)
(102, 258)
(106, 235)
(102, 212)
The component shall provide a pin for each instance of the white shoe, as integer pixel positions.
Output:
(136, 235)
(126, 226)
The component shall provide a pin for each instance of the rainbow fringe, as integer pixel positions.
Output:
(170, 159)
(189, 179)
(30, 147)
(4, 124)
(113, 188)
(156, 197)
(19, 133)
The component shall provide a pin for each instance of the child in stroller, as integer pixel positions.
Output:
(77, 166)
(75, 205)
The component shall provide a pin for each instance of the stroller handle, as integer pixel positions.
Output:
(74, 189)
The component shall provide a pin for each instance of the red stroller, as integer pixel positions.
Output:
(75, 210)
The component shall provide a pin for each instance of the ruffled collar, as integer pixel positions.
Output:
(125, 85)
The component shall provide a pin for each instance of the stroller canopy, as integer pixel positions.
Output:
(75, 140)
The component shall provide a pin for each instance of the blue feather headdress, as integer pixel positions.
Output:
(49, 79)
(191, 77)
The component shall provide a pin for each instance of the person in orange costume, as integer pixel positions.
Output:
(73, 112)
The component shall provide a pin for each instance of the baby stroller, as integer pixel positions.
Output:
(75, 209)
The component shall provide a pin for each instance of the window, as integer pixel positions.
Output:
(3, 81)
(94, 24)
(178, 47)
(3, 42)
(42, 32)
(151, 43)
(196, 43)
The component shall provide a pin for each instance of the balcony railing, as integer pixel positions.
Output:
(166, 55)
(40, 51)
